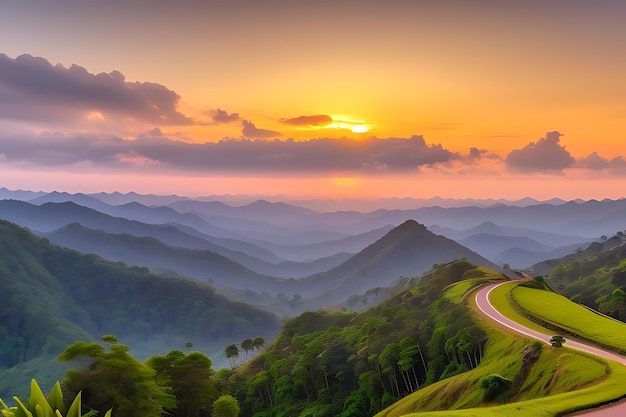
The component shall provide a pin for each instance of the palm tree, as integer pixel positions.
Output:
(246, 345)
(258, 342)
(232, 353)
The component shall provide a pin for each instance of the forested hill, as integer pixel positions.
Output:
(353, 365)
(595, 276)
(53, 296)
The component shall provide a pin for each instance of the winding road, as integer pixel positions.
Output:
(483, 303)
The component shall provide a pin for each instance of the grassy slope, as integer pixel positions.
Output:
(544, 392)
(572, 317)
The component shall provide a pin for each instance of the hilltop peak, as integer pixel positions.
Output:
(408, 250)
(409, 225)
(487, 227)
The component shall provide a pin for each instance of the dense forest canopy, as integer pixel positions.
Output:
(53, 296)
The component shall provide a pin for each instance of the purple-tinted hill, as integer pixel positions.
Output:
(406, 251)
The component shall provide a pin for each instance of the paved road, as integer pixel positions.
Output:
(482, 301)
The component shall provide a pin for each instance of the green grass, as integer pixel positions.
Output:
(561, 381)
(545, 392)
(456, 291)
(608, 390)
(500, 300)
(459, 290)
(561, 373)
(572, 317)
(502, 354)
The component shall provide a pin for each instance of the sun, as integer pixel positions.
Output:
(360, 129)
(355, 126)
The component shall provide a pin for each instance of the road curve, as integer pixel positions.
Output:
(485, 306)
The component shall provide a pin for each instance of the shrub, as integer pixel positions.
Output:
(494, 385)
(39, 405)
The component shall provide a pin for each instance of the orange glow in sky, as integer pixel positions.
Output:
(299, 99)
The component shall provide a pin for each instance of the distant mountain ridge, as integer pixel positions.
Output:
(407, 250)
(54, 296)
(320, 205)
(52, 216)
(202, 265)
(279, 239)
(588, 219)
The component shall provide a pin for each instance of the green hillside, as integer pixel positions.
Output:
(53, 296)
(543, 381)
(423, 351)
(349, 364)
(595, 277)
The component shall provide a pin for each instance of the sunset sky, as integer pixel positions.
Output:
(357, 99)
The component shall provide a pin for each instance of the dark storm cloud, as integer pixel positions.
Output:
(315, 120)
(229, 155)
(222, 116)
(545, 155)
(32, 89)
(249, 130)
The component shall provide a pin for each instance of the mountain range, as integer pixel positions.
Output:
(163, 272)
(53, 296)
(260, 250)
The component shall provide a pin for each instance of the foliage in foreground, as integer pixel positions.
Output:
(42, 406)
(115, 379)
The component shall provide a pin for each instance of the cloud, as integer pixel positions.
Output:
(304, 121)
(153, 149)
(222, 116)
(405, 154)
(32, 89)
(58, 149)
(544, 156)
(596, 163)
(476, 154)
(251, 131)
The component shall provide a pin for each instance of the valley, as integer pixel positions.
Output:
(285, 208)
(164, 272)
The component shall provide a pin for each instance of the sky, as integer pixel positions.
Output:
(317, 99)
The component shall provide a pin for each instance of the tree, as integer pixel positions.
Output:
(409, 350)
(388, 360)
(115, 379)
(226, 406)
(246, 345)
(110, 339)
(258, 343)
(189, 376)
(557, 341)
(261, 384)
(614, 304)
(232, 353)
(494, 385)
